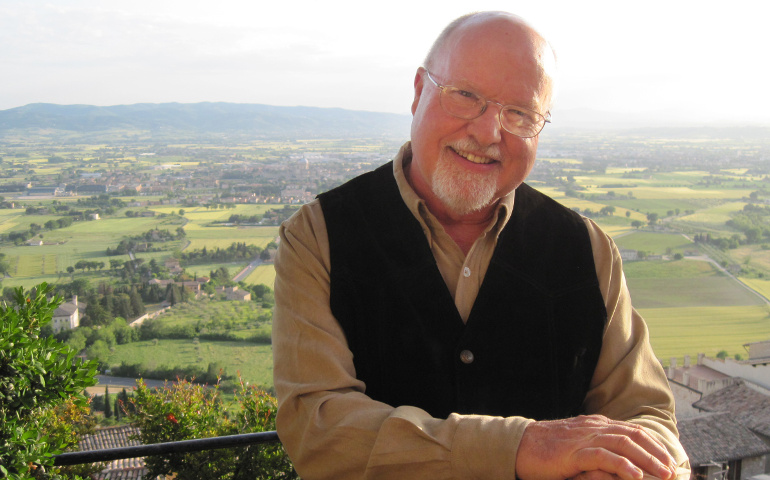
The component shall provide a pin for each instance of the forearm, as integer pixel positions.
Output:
(348, 436)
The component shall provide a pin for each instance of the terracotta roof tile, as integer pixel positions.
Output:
(717, 437)
(116, 437)
(747, 405)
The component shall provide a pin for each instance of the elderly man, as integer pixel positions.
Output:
(439, 319)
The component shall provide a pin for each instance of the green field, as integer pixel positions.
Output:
(89, 240)
(655, 243)
(675, 332)
(253, 362)
(262, 275)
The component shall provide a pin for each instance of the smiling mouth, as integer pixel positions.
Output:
(474, 158)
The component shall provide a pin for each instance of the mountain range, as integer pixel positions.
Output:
(153, 121)
(254, 120)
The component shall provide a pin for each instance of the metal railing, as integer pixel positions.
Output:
(183, 446)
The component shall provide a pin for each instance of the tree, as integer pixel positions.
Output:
(107, 403)
(5, 265)
(636, 224)
(37, 374)
(609, 210)
(652, 218)
(82, 265)
(116, 409)
(115, 264)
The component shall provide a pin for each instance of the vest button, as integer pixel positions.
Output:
(466, 356)
(466, 272)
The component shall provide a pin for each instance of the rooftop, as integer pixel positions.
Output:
(749, 405)
(717, 437)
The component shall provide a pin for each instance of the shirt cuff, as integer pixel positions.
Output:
(485, 447)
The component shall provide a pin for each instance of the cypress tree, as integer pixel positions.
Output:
(107, 403)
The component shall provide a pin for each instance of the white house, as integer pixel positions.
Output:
(67, 316)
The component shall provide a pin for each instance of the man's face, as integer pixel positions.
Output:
(462, 165)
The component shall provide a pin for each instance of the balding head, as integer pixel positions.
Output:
(525, 44)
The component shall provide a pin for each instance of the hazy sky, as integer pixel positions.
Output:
(697, 59)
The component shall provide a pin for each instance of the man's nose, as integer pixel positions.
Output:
(486, 129)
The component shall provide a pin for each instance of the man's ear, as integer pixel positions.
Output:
(418, 85)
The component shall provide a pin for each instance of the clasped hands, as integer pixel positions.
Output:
(593, 448)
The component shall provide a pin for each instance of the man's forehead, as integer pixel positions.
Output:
(499, 56)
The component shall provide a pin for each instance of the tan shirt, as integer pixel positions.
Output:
(332, 430)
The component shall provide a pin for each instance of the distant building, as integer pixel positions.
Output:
(724, 414)
(91, 189)
(719, 447)
(628, 255)
(55, 191)
(234, 293)
(67, 315)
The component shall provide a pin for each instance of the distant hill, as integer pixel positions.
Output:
(238, 121)
(169, 119)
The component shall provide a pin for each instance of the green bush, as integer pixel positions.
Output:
(37, 373)
(186, 411)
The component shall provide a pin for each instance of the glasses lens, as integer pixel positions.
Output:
(461, 103)
(521, 122)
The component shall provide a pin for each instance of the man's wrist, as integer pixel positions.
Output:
(486, 447)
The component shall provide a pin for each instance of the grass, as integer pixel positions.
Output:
(761, 286)
(690, 292)
(661, 269)
(262, 275)
(655, 243)
(714, 216)
(684, 283)
(675, 332)
(253, 362)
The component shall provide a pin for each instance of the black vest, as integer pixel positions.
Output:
(532, 339)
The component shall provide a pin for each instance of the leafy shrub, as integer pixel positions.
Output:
(186, 411)
(37, 373)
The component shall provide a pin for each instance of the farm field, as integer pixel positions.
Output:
(89, 240)
(655, 243)
(262, 275)
(675, 332)
(690, 304)
(254, 362)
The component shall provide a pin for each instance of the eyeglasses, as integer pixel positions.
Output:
(468, 105)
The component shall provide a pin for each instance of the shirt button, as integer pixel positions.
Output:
(466, 356)
(466, 272)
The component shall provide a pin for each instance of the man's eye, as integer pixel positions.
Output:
(517, 115)
(462, 95)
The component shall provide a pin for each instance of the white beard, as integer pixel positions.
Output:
(461, 191)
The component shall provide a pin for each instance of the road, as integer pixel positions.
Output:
(116, 384)
(246, 271)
